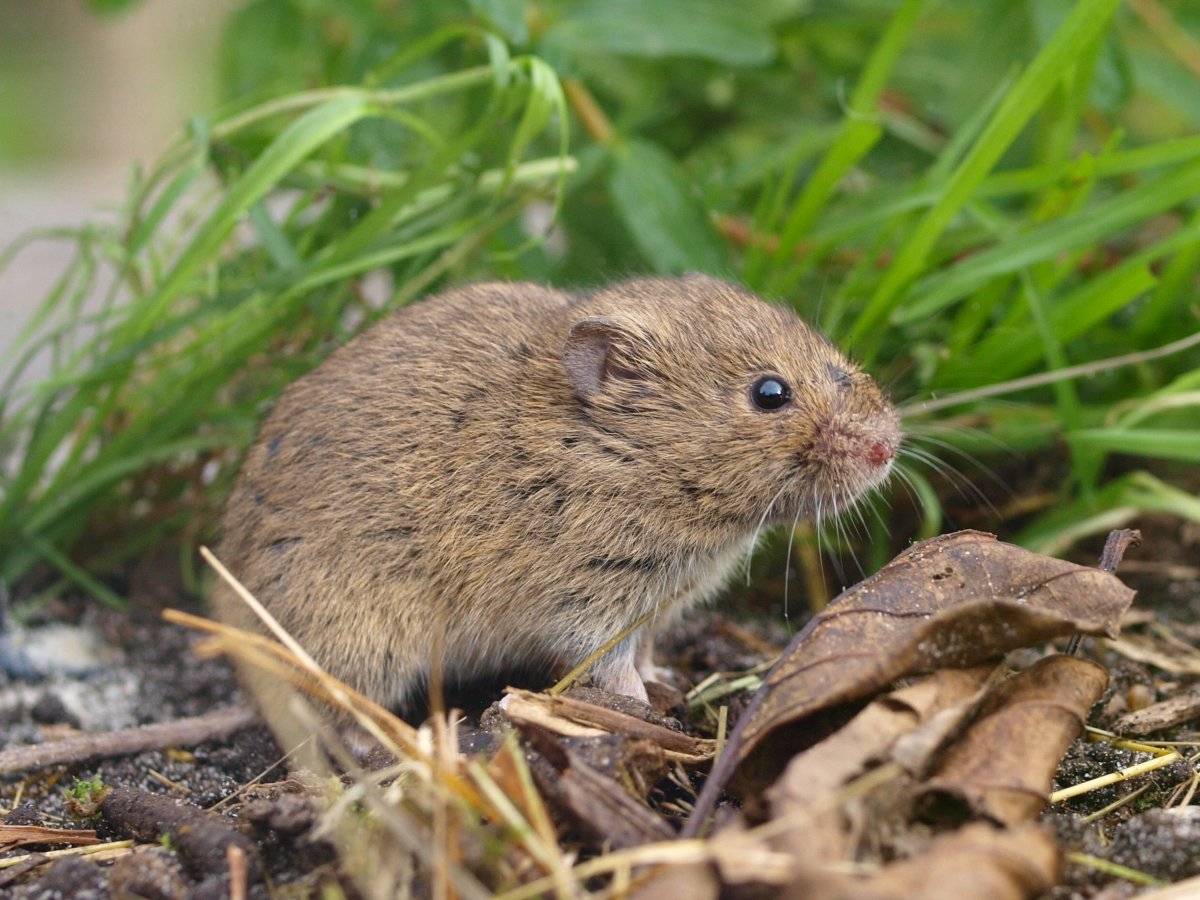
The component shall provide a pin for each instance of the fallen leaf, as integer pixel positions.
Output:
(1003, 765)
(875, 735)
(594, 801)
(695, 881)
(977, 861)
(1153, 651)
(955, 601)
(1188, 889)
(946, 701)
(839, 800)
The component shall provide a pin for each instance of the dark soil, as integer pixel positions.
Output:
(155, 676)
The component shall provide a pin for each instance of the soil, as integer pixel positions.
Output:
(151, 674)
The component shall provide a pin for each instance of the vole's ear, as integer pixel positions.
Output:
(599, 351)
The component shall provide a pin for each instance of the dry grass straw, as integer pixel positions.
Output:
(466, 826)
(94, 852)
(470, 827)
(1160, 756)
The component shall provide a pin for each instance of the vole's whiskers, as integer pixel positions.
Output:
(849, 532)
(909, 483)
(962, 485)
(835, 558)
(878, 513)
(819, 531)
(957, 428)
(762, 521)
(906, 482)
(787, 565)
(952, 448)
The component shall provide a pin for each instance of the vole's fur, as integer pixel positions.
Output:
(525, 473)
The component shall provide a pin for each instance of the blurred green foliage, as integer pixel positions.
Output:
(962, 193)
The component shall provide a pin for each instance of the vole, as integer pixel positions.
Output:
(526, 472)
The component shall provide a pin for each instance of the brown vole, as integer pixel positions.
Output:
(526, 473)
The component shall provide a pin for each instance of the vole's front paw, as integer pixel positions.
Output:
(620, 677)
(648, 671)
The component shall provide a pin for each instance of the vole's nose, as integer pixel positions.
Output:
(880, 453)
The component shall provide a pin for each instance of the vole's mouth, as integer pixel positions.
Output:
(839, 445)
(842, 464)
(881, 453)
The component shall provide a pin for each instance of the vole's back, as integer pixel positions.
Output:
(516, 475)
(374, 482)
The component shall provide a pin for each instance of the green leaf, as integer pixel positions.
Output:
(1086, 227)
(110, 7)
(201, 303)
(1070, 43)
(294, 143)
(1007, 351)
(654, 200)
(1116, 505)
(1156, 443)
(860, 131)
(508, 17)
(708, 29)
(80, 577)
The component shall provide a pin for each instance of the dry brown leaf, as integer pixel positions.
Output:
(594, 801)
(977, 861)
(946, 700)
(994, 744)
(695, 881)
(931, 708)
(1153, 651)
(1002, 766)
(1188, 889)
(954, 601)
(822, 801)
(745, 858)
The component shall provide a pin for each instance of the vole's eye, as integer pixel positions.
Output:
(770, 392)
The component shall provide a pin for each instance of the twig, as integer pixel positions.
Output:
(180, 733)
(13, 836)
(202, 838)
(1119, 540)
(1080, 371)
(591, 116)
(1178, 42)
(98, 851)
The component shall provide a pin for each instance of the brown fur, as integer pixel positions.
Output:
(526, 473)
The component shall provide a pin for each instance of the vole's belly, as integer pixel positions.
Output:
(566, 623)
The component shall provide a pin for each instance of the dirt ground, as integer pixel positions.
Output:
(148, 673)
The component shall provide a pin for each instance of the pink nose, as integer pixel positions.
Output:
(880, 453)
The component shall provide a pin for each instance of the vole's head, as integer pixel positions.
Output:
(728, 408)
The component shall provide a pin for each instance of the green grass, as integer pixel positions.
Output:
(962, 194)
(228, 286)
